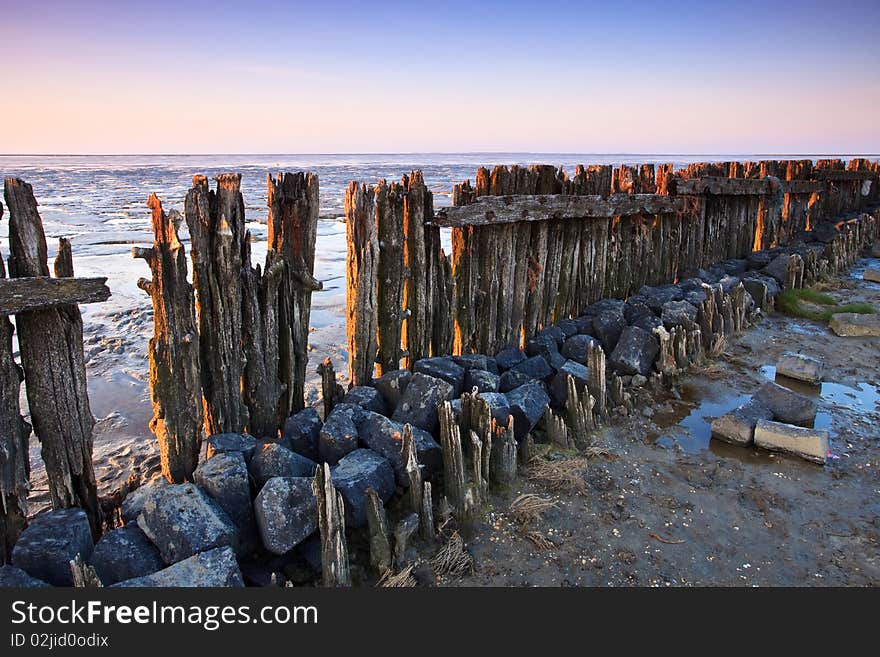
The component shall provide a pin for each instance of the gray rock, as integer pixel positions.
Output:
(275, 460)
(655, 297)
(444, 368)
(607, 327)
(123, 554)
(482, 380)
(527, 406)
(554, 332)
(212, 568)
(585, 324)
(302, 433)
(392, 386)
(339, 435)
(541, 345)
(419, 403)
(777, 267)
(509, 357)
(286, 512)
(648, 322)
(385, 437)
(787, 405)
(367, 397)
(615, 306)
(635, 352)
(231, 442)
(577, 347)
(855, 325)
(800, 367)
(569, 327)
(472, 361)
(354, 474)
(224, 478)
(133, 503)
(512, 379)
(498, 405)
(182, 521)
(50, 542)
(535, 367)
(738, 426)
(12, 577)
(678, 313)
(692, 284)
(810, 444)
(559, 386)
(635, 309)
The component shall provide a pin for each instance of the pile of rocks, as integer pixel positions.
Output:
(778, 418)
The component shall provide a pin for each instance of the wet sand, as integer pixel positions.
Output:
(670, 507)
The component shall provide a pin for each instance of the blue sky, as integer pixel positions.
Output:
(689, 77)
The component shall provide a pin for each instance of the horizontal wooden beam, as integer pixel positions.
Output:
(722, 186)
(803, 186)
(508, 209)
(20, 295)
(840, 174)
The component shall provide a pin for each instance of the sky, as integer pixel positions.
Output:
(417, 76)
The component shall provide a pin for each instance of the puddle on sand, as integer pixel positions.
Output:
(688, 424)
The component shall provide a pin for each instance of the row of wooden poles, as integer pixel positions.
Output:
(229, 350)
(531, 245)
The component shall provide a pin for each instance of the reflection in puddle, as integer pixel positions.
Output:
(688, 422)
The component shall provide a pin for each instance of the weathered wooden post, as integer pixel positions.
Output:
(361, 303)
(52, 355)
(418, 208)
(331, 526)
(390, 274)
(175, 386)
(377, 523)
(216, 228)
(331, 391)
(14, 434)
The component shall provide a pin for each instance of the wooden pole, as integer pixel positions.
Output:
(14, 435)
(52, 355)
(331, 525)
(361, 294)
(175, 386)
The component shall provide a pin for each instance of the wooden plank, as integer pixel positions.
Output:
(840, 175)
(507, 209)
(802, 186)
(20, 295)
(721, 186)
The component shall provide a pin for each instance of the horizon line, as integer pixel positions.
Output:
(720, 152)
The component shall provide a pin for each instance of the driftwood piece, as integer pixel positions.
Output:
(453, 458)
(377, 524)
(175, 386)
(84, 575)
(426, 517)
(361, 302)
(331, 391)
(331, 525)
(556, 430)
(410, 459)
(505, 452)
(52, 355)
(14, 435)
(505, 209)
(216, 225)
(25, 294)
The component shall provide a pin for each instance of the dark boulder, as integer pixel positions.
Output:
(275, 460)
(554, 332)
(125, 553)
(787, 405)
(385, 437)
(444, 368)
(679, 313)
(655, 297)
(472, 361)
(391, 386)
(498, 405)
(510, 357)
(286, 513)
(367, 397)
(210, 569)
(354, 474)
(535, 367)
(615, 306)
(482, 380)
(12, 577)
(50, 542)
(635, 309)
(635, 352)
(302, 433)
(527, 406)
(542, 345)
(181, 521)
(512, 379)
(577, 347)
(777, 267)
(231, 442)
(420, 402)
(133, 503)
(607, 327)
(339, 435)
(559, 386)
(224, 478)
(648, 322)
(569, 327)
